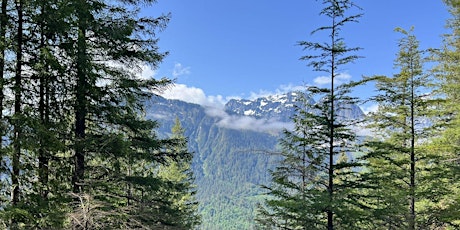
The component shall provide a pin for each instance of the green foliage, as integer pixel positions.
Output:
(401, 167)
(232, 169)
(179, 173)
(76, 150)
(445, 141)
(298, 197)
(312, 189)
(228, 164)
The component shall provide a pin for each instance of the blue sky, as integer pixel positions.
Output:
(244, 48)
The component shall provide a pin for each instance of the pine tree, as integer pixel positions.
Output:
(3, 123)
(178, 172)
(3, 49)
(37, 113)
(115, 148)
(400, 168)
(78, 61)
(108, 35)
(311, 188)
(445, 141)
(294, 200)
(47, 120)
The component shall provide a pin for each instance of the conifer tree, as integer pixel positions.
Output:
(178, 172)
(113, 143)
(3, 123)
(311, 189)
(445, 141)
(37, 114)
(107, 35)
(400, 168)
(3, 49)
(79, 132)
(47, 118)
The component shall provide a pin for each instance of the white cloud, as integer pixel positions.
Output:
(179, 70)
(193, 95)
(322, 80)
(253, 124)
(290, 87)
(339, 79)
(281, 90)
(140, 71)
(261, 93)
(146, 72)
(214, 107)
(369, 108)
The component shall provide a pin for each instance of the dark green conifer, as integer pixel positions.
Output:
(311, 188)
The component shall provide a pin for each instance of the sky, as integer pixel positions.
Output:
(247, 48)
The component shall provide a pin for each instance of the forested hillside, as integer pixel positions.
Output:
(228, 164)
(88, 142)
(231, 162)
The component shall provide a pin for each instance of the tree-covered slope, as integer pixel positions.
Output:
(234, 149)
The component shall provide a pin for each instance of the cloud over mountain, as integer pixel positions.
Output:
(215, 107)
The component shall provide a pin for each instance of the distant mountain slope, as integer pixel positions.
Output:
(233, 148)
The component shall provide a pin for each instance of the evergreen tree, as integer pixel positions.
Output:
(178, 172)
(3, 124)
(311, 188)
(115, 148)
(46, 119)
(42, 119)
(400, 168)
(79, 61)
(3, 49)
(445, 141)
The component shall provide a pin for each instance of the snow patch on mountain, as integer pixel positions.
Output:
(249, 112)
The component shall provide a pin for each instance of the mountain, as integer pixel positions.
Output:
(234, 148)
(279, 107)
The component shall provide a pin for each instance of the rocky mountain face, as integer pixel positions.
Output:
(277, 107)
(234, 149)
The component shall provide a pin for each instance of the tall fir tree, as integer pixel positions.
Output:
(446, 141)
(81, 153)
(311, 188)
(3, 123)
(178, 172)
(113, 144)
(3, 48)
(401, 169)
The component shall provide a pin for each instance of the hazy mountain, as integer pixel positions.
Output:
(234, 146)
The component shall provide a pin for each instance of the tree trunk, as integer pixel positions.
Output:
(3, 24)
(412, 150)
(81, 102)
(330, 212)
(43, 157)
(17, 109)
